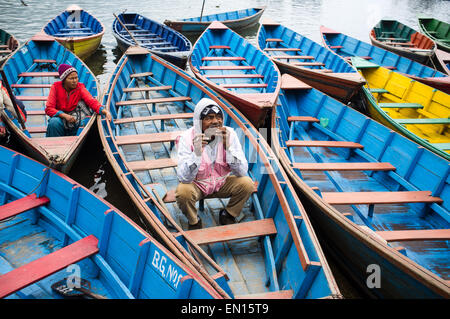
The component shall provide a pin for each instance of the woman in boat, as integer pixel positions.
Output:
(208, 153)
(6, 102)
(68, 103)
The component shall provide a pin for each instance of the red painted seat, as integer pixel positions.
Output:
(22, 205)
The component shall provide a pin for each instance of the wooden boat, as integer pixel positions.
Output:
(443, 59)
(53, 230)
(135, 29)
(236, 20)
(272, 252)
(77, 30)
(394, 36)
(237, 70)
(414, 109)
(436, 30)
(312, 63)
(340, 161)
(8, 44)
(30, 72)
(346, 47)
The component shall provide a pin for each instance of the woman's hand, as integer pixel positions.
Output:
(106, 113)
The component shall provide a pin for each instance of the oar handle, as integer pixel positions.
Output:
(123, 25)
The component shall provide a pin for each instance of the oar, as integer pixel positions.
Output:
(11, 96)
(201, 14)
(61, 288)
(123, 25)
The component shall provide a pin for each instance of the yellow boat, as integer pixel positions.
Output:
(413, 109)
(77, 30)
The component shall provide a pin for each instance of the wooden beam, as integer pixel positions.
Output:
(174, 116)
(22, 205)
(148, 138)
(152, 164)
(362, 198)
(147, 88)
(296, 143)
(157, 100)
(347, 166)
(419, 234)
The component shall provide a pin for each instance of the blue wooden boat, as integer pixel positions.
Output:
(236, 20)
(309, 61)
(8, 44)
(272, 252)
(30, 72)
(347, 47)
(77, 30)
(135, 29)
(53, 230)
(380, 201)
(236, 69)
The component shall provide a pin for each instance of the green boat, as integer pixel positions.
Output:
(401, 39)
(437, 30)
(8, 44)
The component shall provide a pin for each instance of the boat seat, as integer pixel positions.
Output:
(283, 49)
(157, 100)
(148, 88)
(273, 40)
(140, 75)
(161, 117)
(228, 67)
(244, 85)
(362, 198)
(308, 64)
(345, 144)
(281, 294)
(43, 61)
(36, 129)
(148, 138)
(35, 112)
(419, 234)
(75, 29)
(304, 57)
(302, 119)
(401, 105)
(256, 228)
(5, 51)
(405, 44)
(22, 205)
(43, 267)
(377, 90)
(211, 47)
(31, 86)
(233, 76)
(31, 98)
(348, 166)
(152, 164)
(73, 34)
(336, 46)
(223, 58)
(39, 74)
(424, 121)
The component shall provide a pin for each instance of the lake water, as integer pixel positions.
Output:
(24, 18)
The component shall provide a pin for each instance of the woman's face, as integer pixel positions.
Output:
(71, 81)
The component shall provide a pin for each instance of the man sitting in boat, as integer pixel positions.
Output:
(68, 103)
(208, 153)
(6, 102)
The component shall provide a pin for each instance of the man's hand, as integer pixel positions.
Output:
(200, 140)
(225, 137)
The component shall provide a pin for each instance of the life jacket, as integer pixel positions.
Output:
(210, 176)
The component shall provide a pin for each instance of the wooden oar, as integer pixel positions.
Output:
(11, 96)
(126, 29)
(201, 13)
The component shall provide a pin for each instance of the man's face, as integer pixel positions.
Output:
(71, 81)
(210, 122)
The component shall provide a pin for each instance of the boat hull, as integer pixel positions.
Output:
(436, 30)
(83, 48)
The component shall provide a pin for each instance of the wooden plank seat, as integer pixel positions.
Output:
(156, 100)
(211, 47)
(273, 40)
(148, 138)
(31, 86)
(223, 58)
(256, 228)
(405, 44)
(401, 105)
(308, 63)
(336, 46)
(283, 49)
(36, 129)
(152, 164)
(281, 294)
(244, 85)
(161, 117)
(5, 51)
(44, 61)
(31, 98)
(35, 112)
(415, 234)
(22, 205)
(39, 74)
(140, 75)
(148, 88)
(378, 90)
(228, 67)
(302, 119)
(284, 57)
(234, 76)
(362, 198)
(344, 144)
(424, 121)
(348, 166)
(43, 267)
